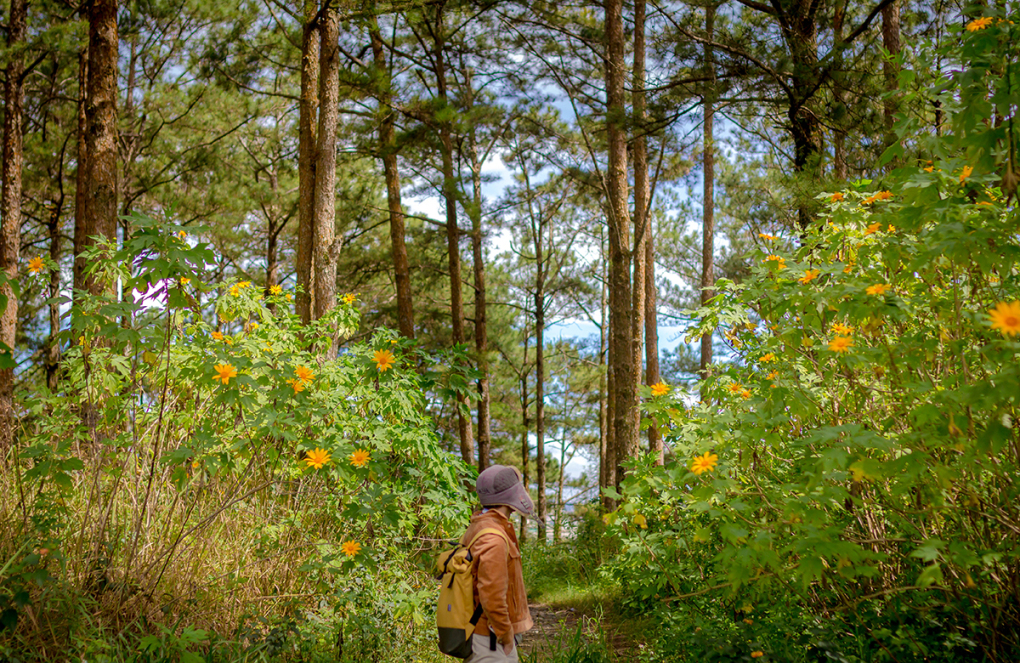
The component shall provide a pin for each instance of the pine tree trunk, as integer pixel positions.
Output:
(81, 178)
(623, 383)
(388, 152)
(324, 241)
(467, 444)
(481, 320)
(708, 195)
(652, 340)
(10, 207)
(540, 375)
(307, 109)
(642, 192)
(52, 360)
(272, 239)
(805, 129)
(525, 425)
(605, 467)
(558, 518)
(101, 126)
(890, 70)
(839, 138)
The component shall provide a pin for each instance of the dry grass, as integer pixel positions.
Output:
(131, 556)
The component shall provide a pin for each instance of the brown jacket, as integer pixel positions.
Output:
(499, 579)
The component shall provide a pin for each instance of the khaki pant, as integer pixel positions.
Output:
(480, 652)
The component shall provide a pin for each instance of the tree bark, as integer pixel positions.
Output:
(481, 319)
(558, 517)
(324, 241)
(101, 126)
(52, 343)
(10, 207)
(621, 357)
(467, 445)
(606, 467)
(525, 426)
(708, 194)
(652, 376)
(839, 139)
(642, 193)
(272, 237)
(890, 70)
(388, 153)
(801, 34)
(537, 234)
(308, 106)
(81, 178)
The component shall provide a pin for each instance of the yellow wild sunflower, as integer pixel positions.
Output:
(360, 457)
(1006, 318)
(317, 458)
(224, 372)
(705, 463)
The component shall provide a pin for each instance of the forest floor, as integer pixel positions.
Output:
(564, 628)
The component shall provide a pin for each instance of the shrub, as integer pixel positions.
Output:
(855, 465)
(194, 481)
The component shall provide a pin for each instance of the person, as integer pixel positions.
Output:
(498, 576)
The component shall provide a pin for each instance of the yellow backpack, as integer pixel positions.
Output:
(457, 615)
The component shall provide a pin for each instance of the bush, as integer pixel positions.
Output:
(194, 482)
(853, 472)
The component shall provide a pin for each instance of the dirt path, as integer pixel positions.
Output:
(556, 630)
(552, 626)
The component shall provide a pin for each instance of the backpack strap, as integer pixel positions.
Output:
(491, 530)
(478, 609)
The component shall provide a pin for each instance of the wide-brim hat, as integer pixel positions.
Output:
(500, 485)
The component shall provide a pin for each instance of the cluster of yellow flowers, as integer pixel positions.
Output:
(779, 260)
(319, 458)
(304, 376)
(881, 195)
(738, 388)
(236, 289)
